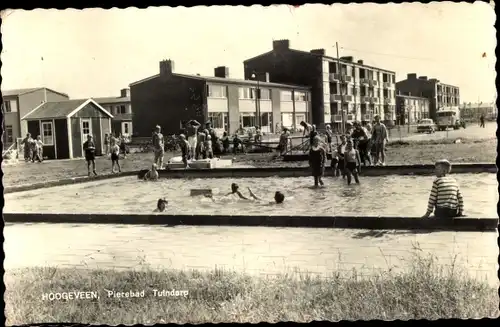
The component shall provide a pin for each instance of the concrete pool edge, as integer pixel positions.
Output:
(421, 170)
(343, 222)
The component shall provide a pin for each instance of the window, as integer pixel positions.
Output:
(247, 120)
(332, 67)
(9, 134)
(265, 94)
(266, 119)
(217, 91)
(125, 128)
(385, 78)
(286, 96)
(335, 108)
(217, 119)
(300, 117)
(47, 133)
(245, 93)
(10, 106)
(85, 127)
(300, 96)
(121, 109)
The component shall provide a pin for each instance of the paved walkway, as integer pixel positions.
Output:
(255, 250)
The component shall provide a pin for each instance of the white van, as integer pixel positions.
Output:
(447, 118)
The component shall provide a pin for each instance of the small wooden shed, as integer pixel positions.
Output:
(64, 127)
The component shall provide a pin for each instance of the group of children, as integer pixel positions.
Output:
(279, 197)
(113, 149)
(33, 148)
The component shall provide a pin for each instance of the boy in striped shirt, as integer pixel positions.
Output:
(445, 199)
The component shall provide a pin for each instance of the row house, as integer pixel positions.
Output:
(411, 109)
(169, 99)
(18, 102)
(440, 95)
(341, 89)
(121, 109)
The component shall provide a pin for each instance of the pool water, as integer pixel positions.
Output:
(385, 196)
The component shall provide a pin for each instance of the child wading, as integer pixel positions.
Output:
(445, 199)
(89, 148)
(115, 156)
(352, 162)
(152, 174)
(185, 149)
(317, 159)
(338, 165)
(209, 151)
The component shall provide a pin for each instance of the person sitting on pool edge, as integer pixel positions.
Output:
(152, 174)
(278, 197)
(161, 205)
(445, 199)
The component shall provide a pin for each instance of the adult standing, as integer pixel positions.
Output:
(27, 147)
(192, 127)
(379, 139)
(360, 134)
(107, 142)
(158, 146)
(481, 121)
(329, 138)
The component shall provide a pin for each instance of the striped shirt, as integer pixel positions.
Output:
(445, 193)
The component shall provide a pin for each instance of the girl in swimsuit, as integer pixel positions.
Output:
(278, 197)
(317, 159)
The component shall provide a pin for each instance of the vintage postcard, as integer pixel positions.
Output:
(266, 164)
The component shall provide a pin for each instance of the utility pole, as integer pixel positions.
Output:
(341, 90)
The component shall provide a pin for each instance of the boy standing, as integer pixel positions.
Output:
(89, 149)
(445, 199)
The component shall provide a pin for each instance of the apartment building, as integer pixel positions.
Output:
(410, 109)
(170, 99)
(440, 95)
(17, 103)
(338, 86)
(121, 109)
(473, 111)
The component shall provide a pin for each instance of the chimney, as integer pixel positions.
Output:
(348, 58)
(360, 62)
(424, 78)
(411, 76)
(124, 93)
(320, 52)
(167, 67)
(221, 71)
(261, 77)
(409, 94)
(266, 76)
(281, 45)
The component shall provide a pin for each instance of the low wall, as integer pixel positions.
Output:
(401, 223)
(305, 171)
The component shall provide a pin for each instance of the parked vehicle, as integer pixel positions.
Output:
(426, 126)
(449, 118)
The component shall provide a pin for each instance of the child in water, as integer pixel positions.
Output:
(278, 197)
(445, 199)
(161, 205)
(340, 155)
(352, 162)
(317, 159)
(152, 174)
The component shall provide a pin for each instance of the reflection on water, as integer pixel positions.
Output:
(387, 196)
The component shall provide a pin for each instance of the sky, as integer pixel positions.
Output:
(97, 52)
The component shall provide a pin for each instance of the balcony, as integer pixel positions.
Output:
(387, 101)
(386, 85)
(334, 77)
(347, 98)
(350, 117)
(373, 83)
(365, 98)
(346, 78)
(363, 81)
(366, 117)
(335, 97)
(337, 118)
(373, 99)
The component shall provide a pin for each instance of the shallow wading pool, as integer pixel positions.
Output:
(385, 196)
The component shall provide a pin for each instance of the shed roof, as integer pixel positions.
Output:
(61, 109)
